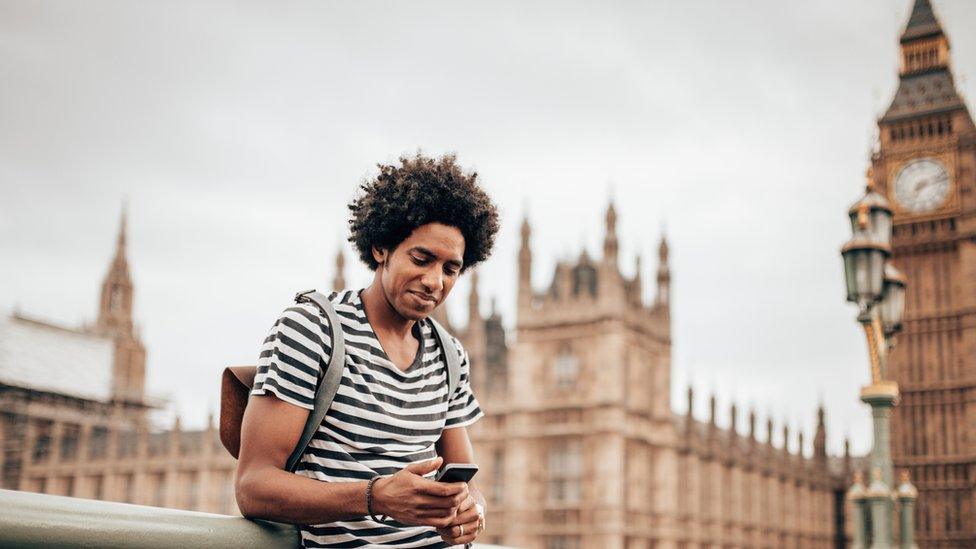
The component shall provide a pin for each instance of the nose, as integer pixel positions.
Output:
(433, 280)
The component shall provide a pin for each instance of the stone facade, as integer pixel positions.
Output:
(57, 439)
(580, 446)
(933, 430)
(80, 448)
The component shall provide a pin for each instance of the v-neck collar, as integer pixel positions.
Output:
(417, 332)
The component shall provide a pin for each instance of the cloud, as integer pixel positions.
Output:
(238, 131)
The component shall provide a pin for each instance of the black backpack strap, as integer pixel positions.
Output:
(451, 355)
(331, 376)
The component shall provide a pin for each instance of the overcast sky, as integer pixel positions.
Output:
(238, 132)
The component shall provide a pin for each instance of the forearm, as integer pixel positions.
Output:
(273, 494)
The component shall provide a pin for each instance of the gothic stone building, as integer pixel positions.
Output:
(926, 165)
(74, 415)
(580, 447)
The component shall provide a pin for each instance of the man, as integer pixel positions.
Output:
(365, 478)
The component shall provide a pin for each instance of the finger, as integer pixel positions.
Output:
(434, 502)
(470, 532)
(459, 541)
(435, 513)
(464, 519)
(422, 468)
(450, 535)
(441, 488)
(465, 504)
(469, 526)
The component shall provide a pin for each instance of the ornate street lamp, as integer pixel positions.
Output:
(864, 261)
(878, 288)
(893, 305)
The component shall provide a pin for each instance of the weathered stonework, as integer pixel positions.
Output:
(588, 383)
(933, 426)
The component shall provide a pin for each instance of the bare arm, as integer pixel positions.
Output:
(455, 447)
(269, 432)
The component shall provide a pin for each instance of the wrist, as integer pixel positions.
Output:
(372, 497)
(377, 506)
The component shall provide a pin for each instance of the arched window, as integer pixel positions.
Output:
(566, 368)
(565, 471)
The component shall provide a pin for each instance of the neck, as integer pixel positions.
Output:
(381, 314)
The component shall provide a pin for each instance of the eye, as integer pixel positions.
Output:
(418, 260)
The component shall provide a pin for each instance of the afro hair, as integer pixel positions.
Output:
(418, 191)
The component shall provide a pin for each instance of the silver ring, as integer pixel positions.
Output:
(461, 528)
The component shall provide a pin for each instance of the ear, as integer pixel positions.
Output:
(380, 255)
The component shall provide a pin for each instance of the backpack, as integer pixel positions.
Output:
(236, 382)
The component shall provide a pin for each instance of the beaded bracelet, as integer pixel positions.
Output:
(369, 500)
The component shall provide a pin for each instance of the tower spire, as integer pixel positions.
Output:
(525, 267)
(123, 226)
(926, 85)
(339, 279)
(637, 284)
(663, 297)
(474, 302)
(610, 244)
(922, 23)
(820, 439)
(115, 305)
(115, 321)
(752, 424)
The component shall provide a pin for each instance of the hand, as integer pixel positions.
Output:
(466, 525)
(412, 499)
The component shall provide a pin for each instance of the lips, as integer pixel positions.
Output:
(425, 298)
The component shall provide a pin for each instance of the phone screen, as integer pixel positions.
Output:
(457, 472)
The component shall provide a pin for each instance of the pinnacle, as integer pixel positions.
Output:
(123, 223)
(922, 22)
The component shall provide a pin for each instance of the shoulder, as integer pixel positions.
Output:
(312, 312)
(304, 318)
(309, 322)
(450, 343)
(446, 339)
(458, 346)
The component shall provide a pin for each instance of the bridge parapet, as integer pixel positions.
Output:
(41, 520)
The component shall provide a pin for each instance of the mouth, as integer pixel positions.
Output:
(425, 299)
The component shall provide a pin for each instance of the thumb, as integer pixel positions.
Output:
(423, 467)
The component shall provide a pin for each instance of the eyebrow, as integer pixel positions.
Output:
(429, 254)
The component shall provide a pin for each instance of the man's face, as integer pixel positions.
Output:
(418, 274)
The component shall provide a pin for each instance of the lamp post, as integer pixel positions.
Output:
(878, 289)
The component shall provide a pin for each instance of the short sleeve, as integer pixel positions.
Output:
(289, 364)
(463, 408)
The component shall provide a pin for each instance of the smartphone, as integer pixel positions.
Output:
(456, 472)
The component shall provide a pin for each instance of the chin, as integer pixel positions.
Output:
(412, 313)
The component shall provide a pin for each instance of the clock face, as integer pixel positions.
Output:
(922, 185)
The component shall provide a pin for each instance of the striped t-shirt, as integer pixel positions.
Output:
(382, 419)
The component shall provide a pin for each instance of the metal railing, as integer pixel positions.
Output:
(40, 520)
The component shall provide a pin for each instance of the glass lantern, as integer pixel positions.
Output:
(892, 306)
(872, 214)
(864, 261)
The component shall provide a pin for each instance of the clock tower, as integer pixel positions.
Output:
(926, 166)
